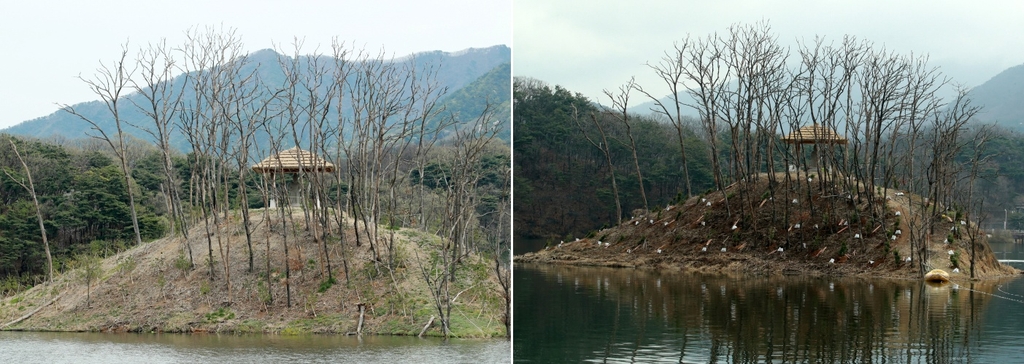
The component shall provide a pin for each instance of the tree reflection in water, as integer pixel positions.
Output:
(572, 314)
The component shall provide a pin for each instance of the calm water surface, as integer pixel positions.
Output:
(21, 347)
(579, 314)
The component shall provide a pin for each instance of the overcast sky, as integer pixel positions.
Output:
(588, 46)
(47, 44)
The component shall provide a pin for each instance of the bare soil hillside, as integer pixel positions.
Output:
(802, 228)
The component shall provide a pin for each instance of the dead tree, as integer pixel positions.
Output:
(31, 189)
(109, 83)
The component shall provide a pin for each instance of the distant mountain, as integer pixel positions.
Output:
(1002, 99)
(455, 70)
(493, 89)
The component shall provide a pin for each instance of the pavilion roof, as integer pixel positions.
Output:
(293, 160)
(814, 134)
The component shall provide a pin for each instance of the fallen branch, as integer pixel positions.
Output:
(427, 326)
(23, 318)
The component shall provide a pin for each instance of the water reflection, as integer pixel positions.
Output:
(43, 347)
(572, 314)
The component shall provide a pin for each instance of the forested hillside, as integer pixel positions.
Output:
(563, 183)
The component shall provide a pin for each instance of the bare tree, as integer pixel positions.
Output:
(620, 102)
(31, 189)
(109, 83)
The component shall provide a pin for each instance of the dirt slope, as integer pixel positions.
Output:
(803, 228)
(145, 290)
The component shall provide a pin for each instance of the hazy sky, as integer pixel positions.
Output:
(588, 46)
(47, 44)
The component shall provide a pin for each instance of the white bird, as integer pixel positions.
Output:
(734, 227)
(894, 238)
(709, 204)
(659, 251)
(898, 213)
(797, 226)
(723, 250)
(652, 222)
(792, 168)
(779, 250)
(899, 232)
(833, 260)
(856, 236)
(704, 249)
(871, 262)
(703, 200)
(956, 270)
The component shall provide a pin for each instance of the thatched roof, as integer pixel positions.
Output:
(293, 160)
(814, 134)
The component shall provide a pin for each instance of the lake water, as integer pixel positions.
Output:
(41, 347)
(581, 314)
